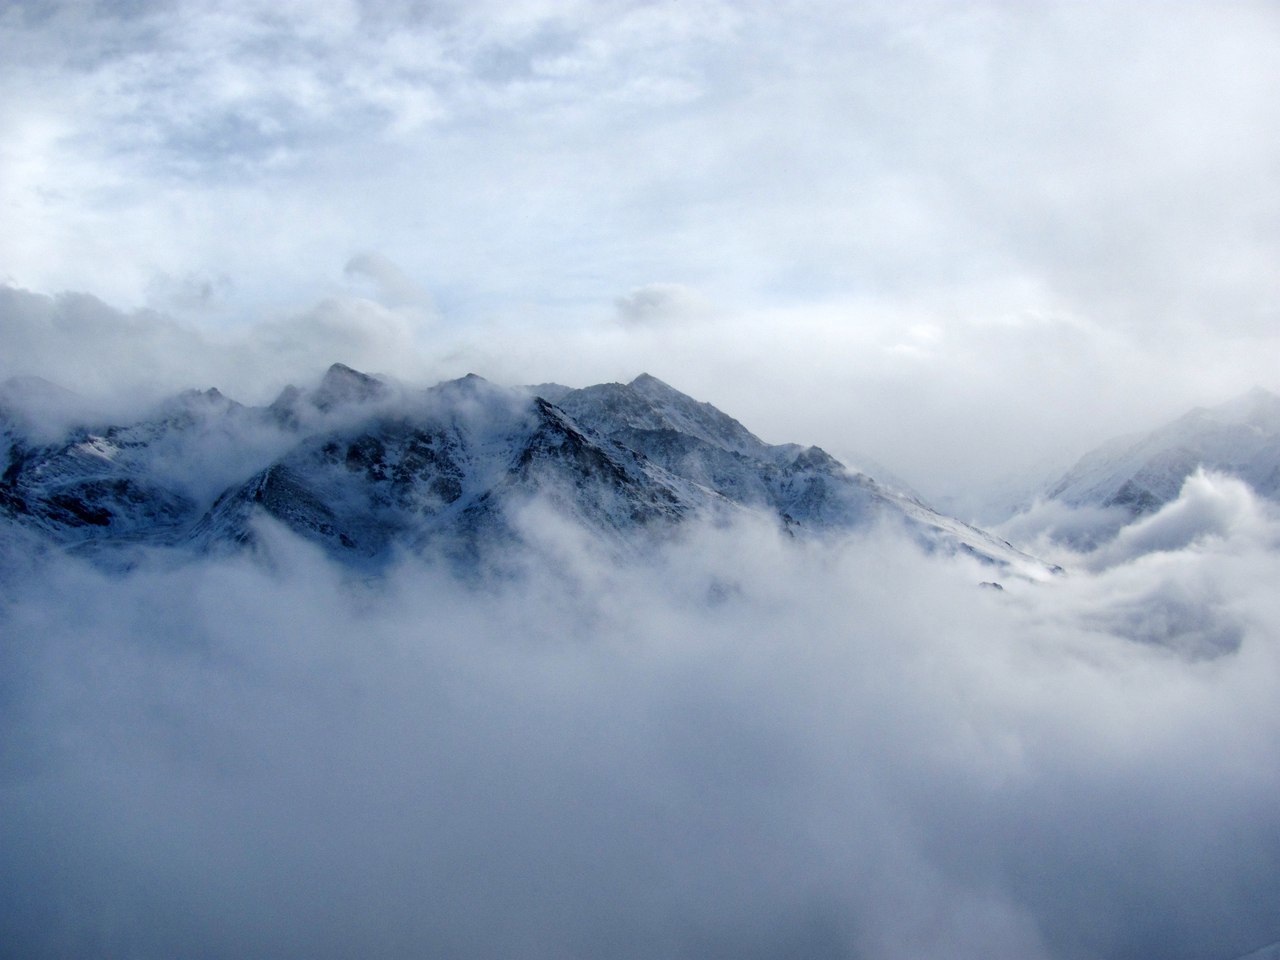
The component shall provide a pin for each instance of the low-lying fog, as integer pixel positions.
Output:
(744, 746)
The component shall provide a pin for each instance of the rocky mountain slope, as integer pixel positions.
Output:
(368, 469)
(1140, 473)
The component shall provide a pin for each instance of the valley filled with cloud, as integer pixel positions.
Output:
(726, 741)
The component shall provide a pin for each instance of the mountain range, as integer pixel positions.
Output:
(1133, 476)
(1140, 473)
(368, 469)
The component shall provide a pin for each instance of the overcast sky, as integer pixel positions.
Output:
(959, 237)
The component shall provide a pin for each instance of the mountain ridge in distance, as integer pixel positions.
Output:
(1139, 473)
(369, 469)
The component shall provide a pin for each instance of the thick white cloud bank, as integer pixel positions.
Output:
(745, 746)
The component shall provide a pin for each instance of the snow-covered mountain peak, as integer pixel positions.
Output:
(343, 394)
(210, 402)
(1138, 474)
(342, 385)
(284, 407)
(807, 488)
(471, 384)
(649, 405)
(479, 406)
(367, 469)
(649, 384)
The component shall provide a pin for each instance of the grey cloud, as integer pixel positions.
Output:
(1046, 522)
(192, 292)
(660, 303)
(837, 752)
(393, 287)
(84, 345)
(1209, 506)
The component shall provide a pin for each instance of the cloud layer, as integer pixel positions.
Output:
(1120, 157)
(746, 747)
